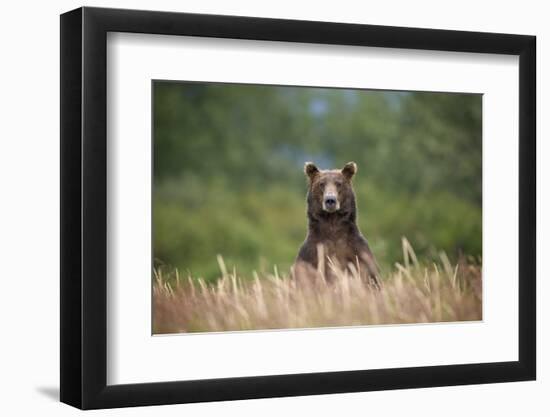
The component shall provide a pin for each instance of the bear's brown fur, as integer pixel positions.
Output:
(332, 228)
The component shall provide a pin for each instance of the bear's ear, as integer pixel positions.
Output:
(310, 170)
(349, 170)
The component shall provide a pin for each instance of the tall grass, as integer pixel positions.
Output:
(412, 292)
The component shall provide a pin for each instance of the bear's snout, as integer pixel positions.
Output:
(330, 203)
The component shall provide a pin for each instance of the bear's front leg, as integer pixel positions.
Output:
(367, 263)
(370, 269)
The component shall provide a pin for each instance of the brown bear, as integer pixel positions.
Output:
(332, 229)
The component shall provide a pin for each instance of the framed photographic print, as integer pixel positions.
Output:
(256, 207)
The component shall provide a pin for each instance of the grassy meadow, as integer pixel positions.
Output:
(411, 292)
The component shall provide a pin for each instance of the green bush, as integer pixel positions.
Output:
(228, 174)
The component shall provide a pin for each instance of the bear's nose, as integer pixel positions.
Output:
(330, 201)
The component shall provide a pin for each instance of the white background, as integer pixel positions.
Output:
(134, 356)
(30, 205)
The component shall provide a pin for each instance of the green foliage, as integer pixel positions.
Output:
(228, 174)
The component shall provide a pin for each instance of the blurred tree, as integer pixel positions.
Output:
(228, 175)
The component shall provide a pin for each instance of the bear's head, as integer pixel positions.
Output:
(330, 191)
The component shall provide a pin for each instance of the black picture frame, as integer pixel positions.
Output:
(84, 207)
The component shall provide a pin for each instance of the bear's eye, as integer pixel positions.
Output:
(322, 184)
(338, 183)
